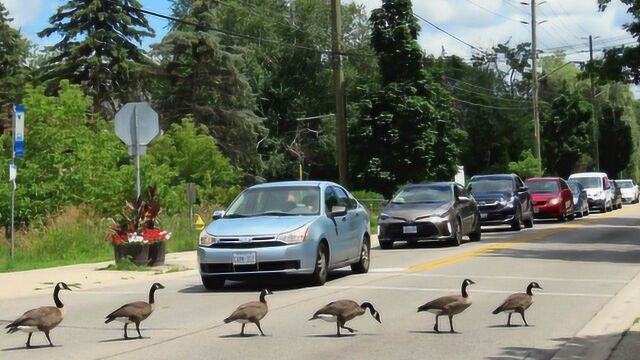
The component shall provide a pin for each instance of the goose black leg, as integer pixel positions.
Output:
(451, 324)
(46, 333)
(259, 328)
(138, 330)
(509, 319)
(338, 328)
(435, 327)
(126, 337)
(29, 340)
(523, 319)
(349, 329)
(242, 331)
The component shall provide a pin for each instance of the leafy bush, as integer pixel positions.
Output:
(527, 167)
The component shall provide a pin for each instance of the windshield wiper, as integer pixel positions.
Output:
(231, 216)
(274, 213)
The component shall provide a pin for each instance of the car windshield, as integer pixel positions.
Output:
(423, 194)
(491, 185)
(543, 187)
(277, 201)
(624, 184)
(589, 182)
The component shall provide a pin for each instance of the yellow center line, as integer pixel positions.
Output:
(434, 264)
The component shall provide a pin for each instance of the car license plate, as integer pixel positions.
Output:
(483, 215)
(410, 230)
(248, 258)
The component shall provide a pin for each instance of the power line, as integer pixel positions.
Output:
(493, 12)
(495, 97)
(448, 33)
(491, 106)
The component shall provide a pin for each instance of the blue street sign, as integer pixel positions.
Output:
(18, 131)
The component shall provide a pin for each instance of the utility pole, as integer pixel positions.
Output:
(534, 79)
(596, 128)
(338, 81)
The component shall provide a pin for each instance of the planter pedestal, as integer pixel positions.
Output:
(157, 252)
(137, 254)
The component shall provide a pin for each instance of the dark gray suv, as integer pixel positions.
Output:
(503, 199)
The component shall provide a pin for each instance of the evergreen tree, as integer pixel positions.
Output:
(408, 131)
(201, 77)
(13, 57)
(98, 50)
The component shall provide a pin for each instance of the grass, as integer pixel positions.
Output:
(77, 236)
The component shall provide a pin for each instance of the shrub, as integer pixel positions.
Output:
(527, 167)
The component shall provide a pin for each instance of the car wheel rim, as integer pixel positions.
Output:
(365, 255)
(458, 232)
(322, 269)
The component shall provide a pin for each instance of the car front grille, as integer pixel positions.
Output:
(246, 245)
(221, 268)
(396, 230)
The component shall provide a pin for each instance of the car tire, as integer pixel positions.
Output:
(213, 282)
(563, 217)
(516, 223)
(362, 266)
(572, 215)
(456, 237)
(476, 235)
(321, 270)
(528, 223)
(386, 244)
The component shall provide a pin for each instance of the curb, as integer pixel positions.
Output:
(599, 337)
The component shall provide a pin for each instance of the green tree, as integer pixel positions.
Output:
(98, 50)
(566, 133)
(527, 167)
(622, 63)
(13, 72)
(201, 77)
(407, 132)
(616, 142)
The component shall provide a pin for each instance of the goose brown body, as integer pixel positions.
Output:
(135, 312)
(518, 303)
(44, 318)
(251, 312)
(449, 305)
(341, 311)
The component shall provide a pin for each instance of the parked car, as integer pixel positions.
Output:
(616, 195)
(293, 228)
(630, 193)
(598, 189)
(580, 200)
(551, 197)
(434, 211)
(503, 199)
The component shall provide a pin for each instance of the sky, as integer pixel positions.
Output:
(481, 23)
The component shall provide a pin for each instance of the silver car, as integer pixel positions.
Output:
(292, 228)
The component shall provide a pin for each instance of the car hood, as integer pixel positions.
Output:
(491, 196)
(628, 190)
(413, 211)
(544, 196)
(257, 225)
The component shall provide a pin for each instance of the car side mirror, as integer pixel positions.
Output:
(523, 189)
(338, 210)
(218, 214)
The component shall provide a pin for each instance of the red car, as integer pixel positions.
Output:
(551, 197)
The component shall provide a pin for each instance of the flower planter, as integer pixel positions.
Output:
(137, 253)
(157, 251)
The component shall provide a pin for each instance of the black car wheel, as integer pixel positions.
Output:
(319, 276)
(456, 236)
(477, 231)
(213, 282)
(528, 223)
(563, 217)
(516, 223)
(362, 266)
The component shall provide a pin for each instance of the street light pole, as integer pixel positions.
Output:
(534, 79)
(338, 80)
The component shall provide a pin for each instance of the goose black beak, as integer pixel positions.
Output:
(377, 317)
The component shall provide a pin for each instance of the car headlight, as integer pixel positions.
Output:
(206, 239)
(384, 216)
(503, 202)
(296, 236)
(554, 201)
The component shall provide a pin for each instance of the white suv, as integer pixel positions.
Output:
(598, 189)
(629, 189)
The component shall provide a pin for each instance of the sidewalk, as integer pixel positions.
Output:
(629, 347)
(87, 276)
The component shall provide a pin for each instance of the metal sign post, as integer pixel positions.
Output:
(136, 125)
(17, 151)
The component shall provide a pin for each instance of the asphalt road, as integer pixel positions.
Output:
(581, 265)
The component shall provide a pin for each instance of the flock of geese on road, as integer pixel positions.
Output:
(45, 318)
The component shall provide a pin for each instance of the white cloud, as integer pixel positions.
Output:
(25, 12)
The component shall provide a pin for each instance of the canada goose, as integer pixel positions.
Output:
(135, 312)
(342, 311)
(42, 319)
(518, 302)
(449, 305)
(252, 311)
